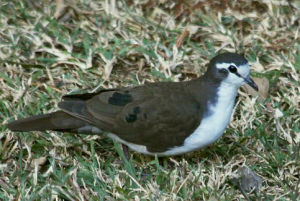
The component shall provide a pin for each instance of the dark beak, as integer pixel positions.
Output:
(251, 83)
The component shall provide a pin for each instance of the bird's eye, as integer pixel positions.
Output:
(232, 69)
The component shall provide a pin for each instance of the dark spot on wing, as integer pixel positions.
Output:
(120, 99)
(136, 110)
(131, 118)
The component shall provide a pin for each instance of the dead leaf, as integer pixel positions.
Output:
(39, 161)
(150, 4)
(181, 37)
(263, 88)
(60, 7)
(65, 11)
(179, 9)
(141, 64)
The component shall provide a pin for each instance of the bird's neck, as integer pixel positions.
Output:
(225, 100)
(226, 93)
(213, 93)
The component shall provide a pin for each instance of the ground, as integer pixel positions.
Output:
(50, 48)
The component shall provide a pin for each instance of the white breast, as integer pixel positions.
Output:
(213, 126)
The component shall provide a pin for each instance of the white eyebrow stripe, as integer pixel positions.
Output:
(224, 65)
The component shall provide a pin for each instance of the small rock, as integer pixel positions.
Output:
(249, 181)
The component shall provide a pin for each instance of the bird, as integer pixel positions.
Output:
(158, 119)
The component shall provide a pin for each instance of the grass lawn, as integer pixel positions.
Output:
(51, 48)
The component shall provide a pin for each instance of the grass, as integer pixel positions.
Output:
(50, 48)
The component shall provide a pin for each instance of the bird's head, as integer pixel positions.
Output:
(231, 68)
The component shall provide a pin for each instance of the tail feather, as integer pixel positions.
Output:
(59, 121)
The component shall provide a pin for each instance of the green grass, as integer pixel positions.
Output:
(46, 53)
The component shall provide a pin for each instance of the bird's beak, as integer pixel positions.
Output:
(251, 83)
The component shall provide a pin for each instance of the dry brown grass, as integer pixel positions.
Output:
(50, 48)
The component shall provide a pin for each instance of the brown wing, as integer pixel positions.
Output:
(150, 115)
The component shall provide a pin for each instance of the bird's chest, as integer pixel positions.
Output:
(211, 126)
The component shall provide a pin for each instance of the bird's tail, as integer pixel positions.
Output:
(57, 121)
